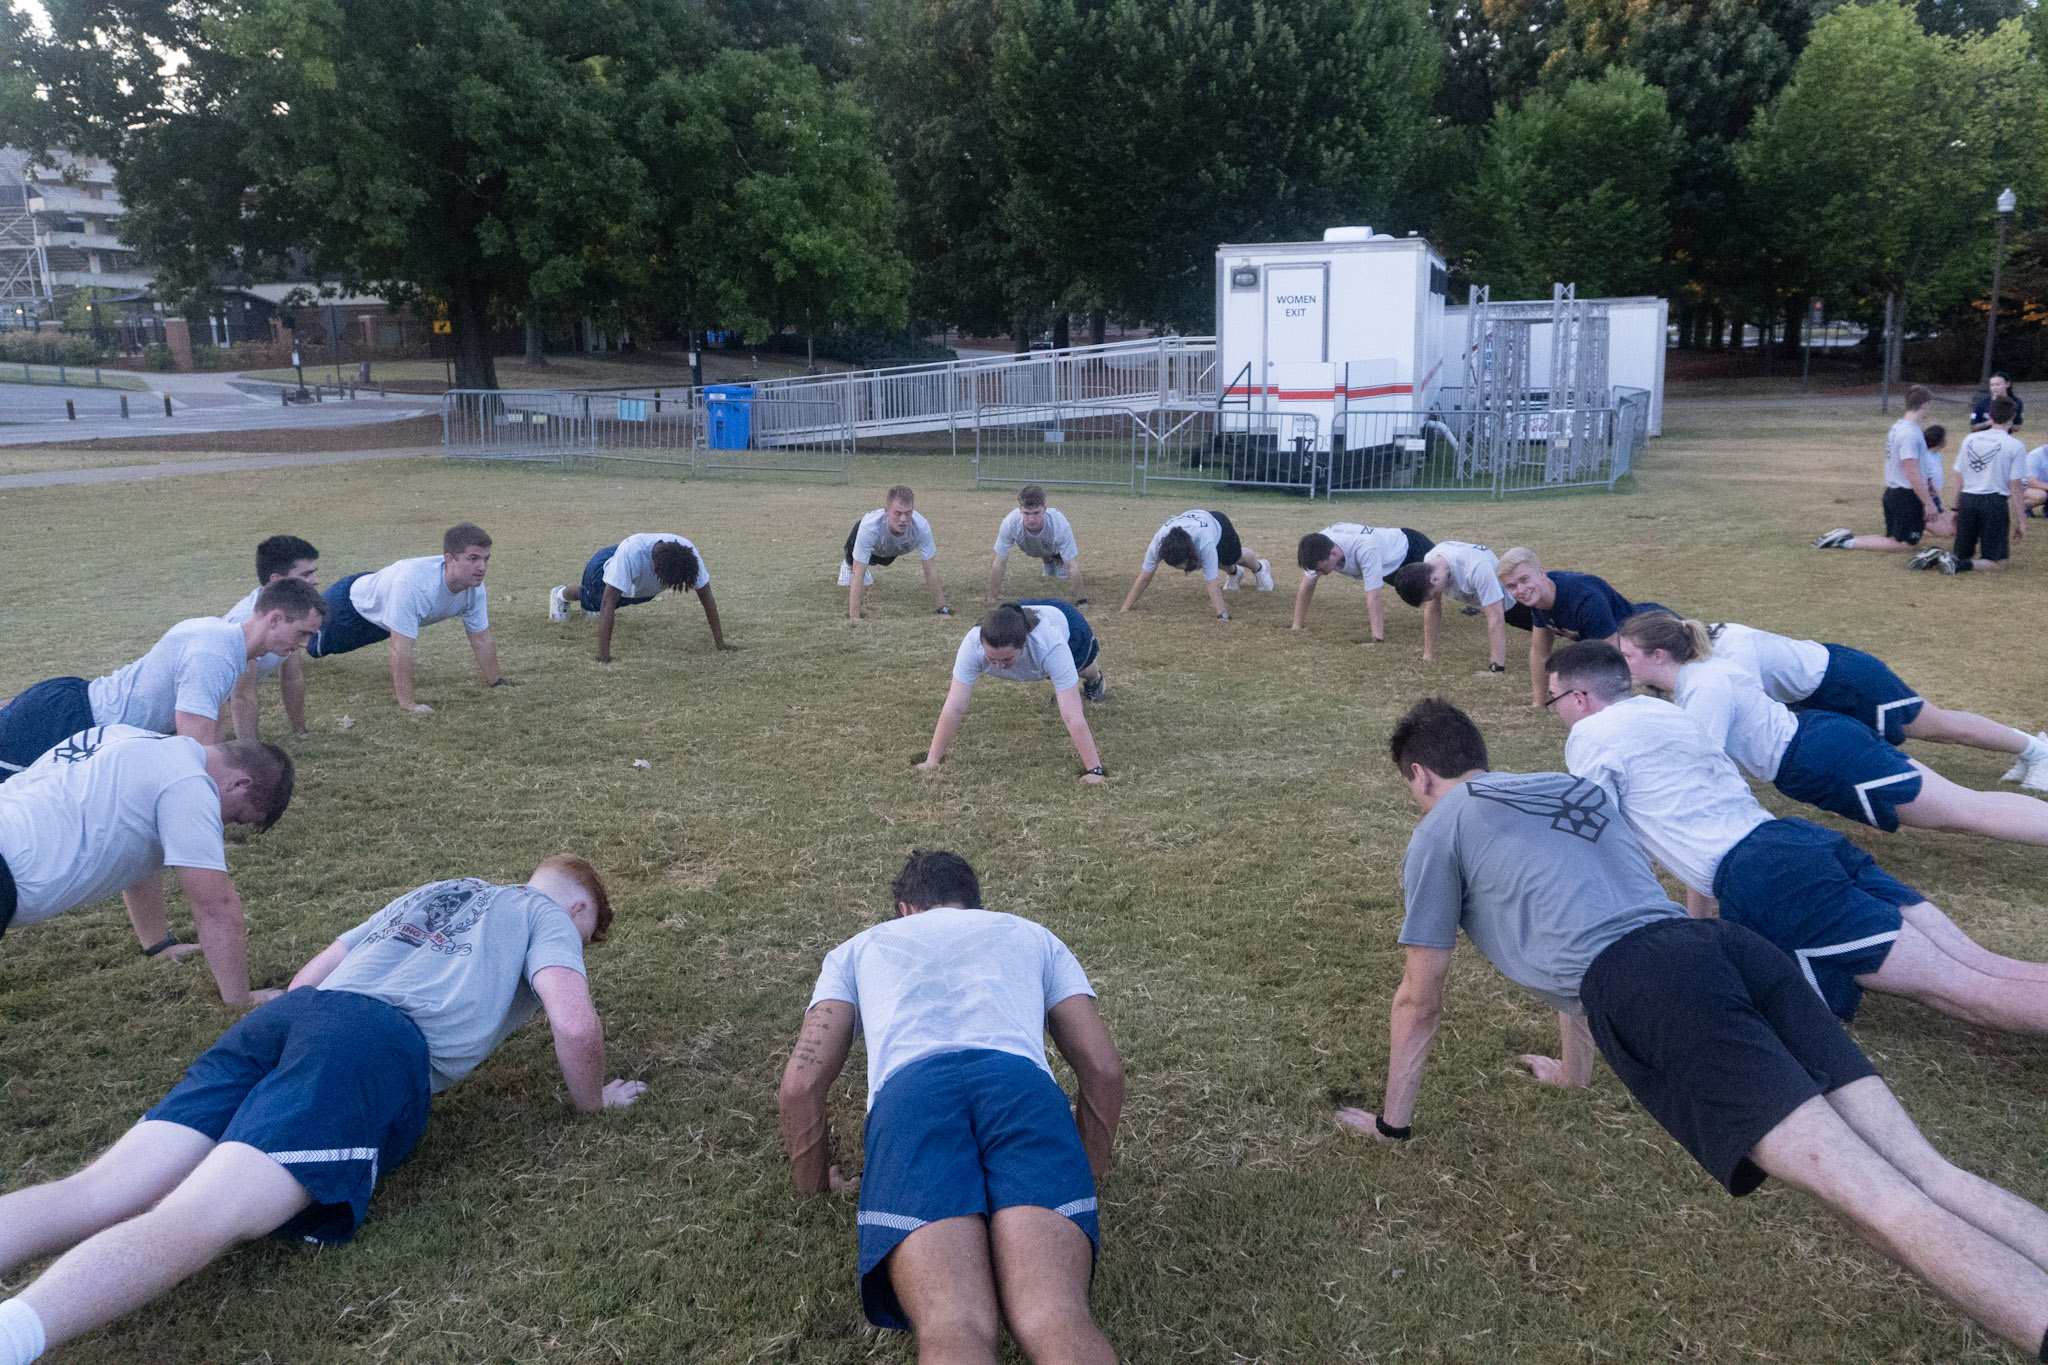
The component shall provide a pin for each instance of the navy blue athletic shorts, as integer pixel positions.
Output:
(1842, 766)
(959, 1134)
(40, 719)
(1715, 1032)
(1861, 687)
(1081, 641)
(1820, 898)
(331, 1085)
(346, 628)
(591, 593)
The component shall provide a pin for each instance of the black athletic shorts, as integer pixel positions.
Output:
(1904, 517)
(7, 897)
(1229, 549)
(877, 562)
(1715, 1032)
(1418, 546)
(1983, 526)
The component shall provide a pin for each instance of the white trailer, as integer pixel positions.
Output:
(1636, 342)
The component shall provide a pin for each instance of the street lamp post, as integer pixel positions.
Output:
(2007, 202)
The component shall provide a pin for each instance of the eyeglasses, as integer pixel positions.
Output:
(1557, 697)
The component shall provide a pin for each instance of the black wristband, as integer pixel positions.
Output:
(1388, 1130)
(500, 682)
(169, 941)
(1496, 668)
(1095, 771)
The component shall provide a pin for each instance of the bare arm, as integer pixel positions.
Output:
(958, 694)
(931, 580)
(223, 936)
(486, 651)
(1375, 615)
(401, 675)
(2016, 506)
(205, 729)
(1418, 1007)
(819, 1057)
(607, 613)
(1301, 596)
(242, 707)
(321, 967)
(1138, 586)
(1918, 479)
(853, 594)
(1432, 620)
(1698, 906)
(1541, 639)
(995, 579)
(144, 902)
(291, 681)
(1497, 634)
(1214, 586)
(1069, 700)
(710, 605)
(1083, 1039)
(579, 1040)
(1074, 572)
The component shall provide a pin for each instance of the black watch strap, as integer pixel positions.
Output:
(168, 941)
(1095, 771)
(1388, 1130)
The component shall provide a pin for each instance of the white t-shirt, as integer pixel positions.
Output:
(1679, 793)
(1730, 705)
(1988, 461)
(1202, 528)
(192, 669)
(631, 567)
(1370, 552)
(1055, 540)
(412, 593)
(268, 664)
(103, 810)
(947, 980)
(1045, 654)
(1790, 670)
(875, 538)
(2035, 466)
(1905, 441)
(1475, 572)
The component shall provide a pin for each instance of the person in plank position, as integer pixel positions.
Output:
(180, 687)
(111, 807)
(1024, 642)
(637, 569)
(1808, 675)
(285, 1124)
(1471, 574)
(1366, 553)
(397, 600)
(277, 558)
(895, 528)
(1578, 606)
(1849, 925)
(1820, 757)
(1045, 534)
(1709, 1027)
(978, 1195)
(1909, 503)
(1201, 540)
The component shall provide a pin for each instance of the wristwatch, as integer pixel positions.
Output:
(1095, 771)
(1496, 668)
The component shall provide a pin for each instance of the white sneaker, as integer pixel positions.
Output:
(1045, 568)
(845, 574)
(1837, 539)
(2031, 771)
(1059, 569)
(1230, 579)
(1265, 575)
(558, 604)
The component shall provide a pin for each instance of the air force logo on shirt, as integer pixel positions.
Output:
(86, 743)
(1575, 806)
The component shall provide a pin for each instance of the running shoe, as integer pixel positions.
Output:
(1045, 569)
(867, 580)
(1948, 563)
(1929, 558)
(1093, 688)
(2031, 768)
(558, 603)
(1837, 539)
(1230, 579)
(1264, 575)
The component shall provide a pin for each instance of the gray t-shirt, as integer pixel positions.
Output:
(1905, 441)
(458, 957)
(1538, 869)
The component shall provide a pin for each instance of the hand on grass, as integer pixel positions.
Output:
(619, 1094)
(178, 952)
(836, 1183)
(1548, 1070)
(923, 763)
(1091, 777)
(1366, 1122)
(263, 997)
(419, 708)
(604, 658)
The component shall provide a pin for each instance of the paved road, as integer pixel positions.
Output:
(133, 473)
(199, 403)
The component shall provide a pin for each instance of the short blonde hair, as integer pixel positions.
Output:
(1516, 558)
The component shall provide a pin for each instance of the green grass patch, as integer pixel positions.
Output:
(72, 377)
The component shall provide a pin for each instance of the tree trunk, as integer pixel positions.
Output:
(1718, 325)
(1061, 337)
(536, 350)
(810, 355)
(1795, 319)
(469, 328)
(1098, 325)
(1020, 335)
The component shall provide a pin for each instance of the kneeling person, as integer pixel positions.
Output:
(977, 1173)
(1366, 553)
(285, 1124)
(1024, 642)
(637, 569)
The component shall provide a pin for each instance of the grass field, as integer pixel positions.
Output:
(1233, 889)
(69, 376)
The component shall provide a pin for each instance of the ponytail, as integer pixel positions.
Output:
(1008, 626)
(1685, 640)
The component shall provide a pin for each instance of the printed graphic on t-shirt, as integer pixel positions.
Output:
(1579, 809)
(1979, 455)
(435, 922)
(86, 743)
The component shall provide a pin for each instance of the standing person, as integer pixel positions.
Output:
(1910, 510)
(1849, 925)
(111, 807)
(1045, 534)
(979, 1192)
(1996, 388)
(1366, 553)
(1808, 675)
(637, 569)
(1471, 574)
(283, 1126)
(277, 557)
(1819, 757)
(1025, 642)
(1708, 1026)
(397, 600)
(180, 687)
(1578, 606)
(1990, 499)
(1201, 540)
(895, 528)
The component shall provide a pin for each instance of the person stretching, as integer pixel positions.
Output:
(111, 807)
(637, 569)
(1909, 505)
(277, 557)
(1577, 606)
(979, 1193)
(1849, 925)
(1045, 534)
(397, 600)
(895, 528)
(1819, 757)
(1201, 540)
(1708, 1026)
(1366, 553)
(1470, 573)
(180, 687)
(1024, 642)
(284, 1125)
(1808, 675)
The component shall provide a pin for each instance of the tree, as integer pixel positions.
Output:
(1571, 189)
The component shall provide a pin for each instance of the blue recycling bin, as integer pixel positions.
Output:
(729, 415)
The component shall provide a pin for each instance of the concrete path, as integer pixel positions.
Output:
(199, 403)
(132, 473)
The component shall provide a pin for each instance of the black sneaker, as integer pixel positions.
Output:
(1093, 688)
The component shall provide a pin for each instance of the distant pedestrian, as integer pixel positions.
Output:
(1980, 407)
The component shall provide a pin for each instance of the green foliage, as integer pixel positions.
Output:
(45, 348)
(1571, 189)
(158, 357)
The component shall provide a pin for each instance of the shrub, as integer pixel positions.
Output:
(43, 348)
(158, 357)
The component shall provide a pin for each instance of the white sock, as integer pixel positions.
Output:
(21, 1333)
(2036, 751)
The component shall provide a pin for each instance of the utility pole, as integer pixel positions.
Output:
(2007, 202)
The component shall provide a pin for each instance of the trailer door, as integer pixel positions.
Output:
(1297, 314)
